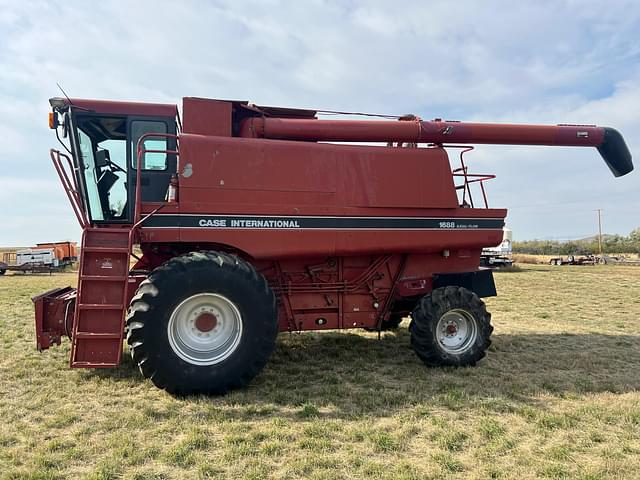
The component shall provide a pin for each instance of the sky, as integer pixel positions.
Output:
(493, 61)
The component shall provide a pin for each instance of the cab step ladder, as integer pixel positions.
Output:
(98, 325)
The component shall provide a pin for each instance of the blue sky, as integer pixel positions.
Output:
(539, 62)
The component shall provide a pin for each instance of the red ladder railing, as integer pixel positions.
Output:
(70, 186)
(469, 178)
(141, 151)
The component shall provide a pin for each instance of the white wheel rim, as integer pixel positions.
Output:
(456, 331)
(205, 329)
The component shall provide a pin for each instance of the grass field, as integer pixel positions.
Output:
(557, 397)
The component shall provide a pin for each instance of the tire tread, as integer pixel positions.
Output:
(143, 319)
(425, 317)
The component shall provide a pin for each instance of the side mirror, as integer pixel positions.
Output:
(64, 124)
(102, 158)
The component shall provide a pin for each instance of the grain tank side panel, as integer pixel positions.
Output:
(221, 164)
(396, 178)
(358, 176)
(342, 199)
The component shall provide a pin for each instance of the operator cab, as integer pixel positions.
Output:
(103, 139)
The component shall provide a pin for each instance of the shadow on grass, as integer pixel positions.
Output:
(357, 374)
(526, 268)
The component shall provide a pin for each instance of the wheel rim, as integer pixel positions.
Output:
(456, 331)
(205, 329)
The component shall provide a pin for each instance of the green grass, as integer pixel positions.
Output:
(557, 397)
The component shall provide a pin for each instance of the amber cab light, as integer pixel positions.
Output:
(53, 120)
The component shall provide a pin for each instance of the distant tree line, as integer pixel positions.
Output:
(610, 244)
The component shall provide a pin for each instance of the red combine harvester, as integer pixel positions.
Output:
(250, 223)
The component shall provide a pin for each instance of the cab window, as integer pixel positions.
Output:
(152, 160)
(102, 145)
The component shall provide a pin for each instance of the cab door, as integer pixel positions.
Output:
(157, 168)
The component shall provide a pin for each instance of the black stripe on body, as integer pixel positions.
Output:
(320, 222)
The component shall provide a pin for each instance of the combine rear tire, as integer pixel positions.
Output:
(202, 323)
(450, 326)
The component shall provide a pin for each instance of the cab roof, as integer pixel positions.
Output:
(117, 107)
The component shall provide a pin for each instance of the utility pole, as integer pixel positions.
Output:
(599, 210)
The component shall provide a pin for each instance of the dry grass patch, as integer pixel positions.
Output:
(557, 397)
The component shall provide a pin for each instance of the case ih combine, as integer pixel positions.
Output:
(250, 223)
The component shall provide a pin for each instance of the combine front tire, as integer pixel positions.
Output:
(450, 326)
(202, 323)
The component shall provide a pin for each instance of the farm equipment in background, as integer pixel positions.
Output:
(8, 258)
(43, 258)
(585, 259)
(64, 253)
(618, 260)
(500, 255)
(250, 222)
(590, 259)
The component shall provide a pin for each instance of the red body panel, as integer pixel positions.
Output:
(334, 268)
(234, 176)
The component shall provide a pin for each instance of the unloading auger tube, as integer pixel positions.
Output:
(608, 141)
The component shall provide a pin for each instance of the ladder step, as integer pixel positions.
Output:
(105, 249)
(123, 232)
(93, 364)
(96, 336)
(100, 306)
(104, 278)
